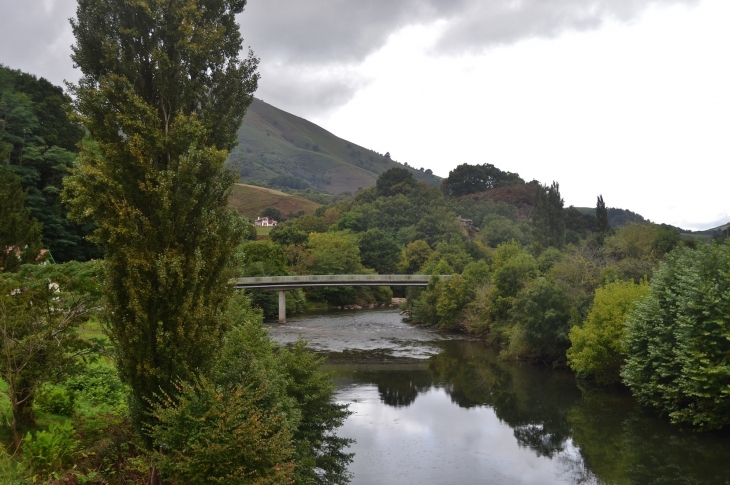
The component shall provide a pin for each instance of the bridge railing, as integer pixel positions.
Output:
(338, 280)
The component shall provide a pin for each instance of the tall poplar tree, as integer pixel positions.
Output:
(548, 218)
(602, 224)
(163, 91)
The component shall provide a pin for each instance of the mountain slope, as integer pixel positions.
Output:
(279, 149)
(250, 201)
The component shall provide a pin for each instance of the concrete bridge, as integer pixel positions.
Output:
(283, 283)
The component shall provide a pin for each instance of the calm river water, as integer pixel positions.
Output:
(438, 408)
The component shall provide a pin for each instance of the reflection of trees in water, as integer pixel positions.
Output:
(623, 444)
(534, 402)
(613, 442)
(398, 388)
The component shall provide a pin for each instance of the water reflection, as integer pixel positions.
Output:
(435, 408)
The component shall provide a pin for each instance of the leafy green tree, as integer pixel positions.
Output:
(676, 339)
(286, 235)
(542, 319)
(50, 105)
(378, 250)
(320, 453)
(40, 308)
(352, 220)
(469, 179)
(335, 253)
(264, 416)
(273, 213)
(579, 224)
(395, 181)
(414, 256)
(597, 348)
(163, 113)
(38, 141)
(20, 234)
(548, 219)
(498, 229)
(602, 224)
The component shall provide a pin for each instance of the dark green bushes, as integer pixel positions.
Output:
(678, 343)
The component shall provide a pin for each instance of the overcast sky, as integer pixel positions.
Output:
(625, 98)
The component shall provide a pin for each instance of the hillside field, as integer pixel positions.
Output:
(251, 200)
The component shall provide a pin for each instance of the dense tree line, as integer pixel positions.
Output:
(557, 287)
(39, 144)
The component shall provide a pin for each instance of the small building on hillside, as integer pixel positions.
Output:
(265, 222)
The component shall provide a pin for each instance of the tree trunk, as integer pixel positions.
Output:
(154, 476)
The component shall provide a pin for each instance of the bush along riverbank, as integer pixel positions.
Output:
(663, 333)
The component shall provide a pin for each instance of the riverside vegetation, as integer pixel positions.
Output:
(145, 367)
(183, 385)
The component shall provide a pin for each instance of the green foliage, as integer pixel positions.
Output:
(163, 113)
(96, 386)
(541, 316)
(548, 218)
(414, 256)
(40, 308)
(676, 339)
(379, 251)
(264, 415)
(452, 252)
(286, 235)
(273, 213)
(548, 259)
(511, 275)
(55, 400)
(602, 224)
(469, 179)
(37, 142)
(597, 348)
(335, 253)
(395, 181)
(497, 229)
(49, 451)
(648, 242)
(20, 234)
(320, 456)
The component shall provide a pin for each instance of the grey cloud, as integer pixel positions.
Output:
(305, 45)
(306, 35)
(307, 91)
(35, 36)
(334, 31)
(484, 24)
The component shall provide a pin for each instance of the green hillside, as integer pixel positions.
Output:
(281, 150)
(250, 201)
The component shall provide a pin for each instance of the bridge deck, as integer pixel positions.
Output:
(290, 282)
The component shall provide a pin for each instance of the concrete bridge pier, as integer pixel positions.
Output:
(282, 306)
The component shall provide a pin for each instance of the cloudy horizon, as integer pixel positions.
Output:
(625, 98)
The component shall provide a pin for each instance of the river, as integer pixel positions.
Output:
(440, 408)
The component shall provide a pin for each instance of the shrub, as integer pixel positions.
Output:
(597, 347)
(55, 400)
(677, 342)
(51, 450)
(541, 316)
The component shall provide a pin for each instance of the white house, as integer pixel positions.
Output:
(265, 222)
